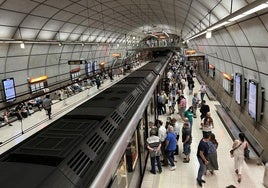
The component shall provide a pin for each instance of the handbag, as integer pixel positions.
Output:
(246, 153)
(232, 150)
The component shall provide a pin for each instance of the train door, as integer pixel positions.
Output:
(128, 170)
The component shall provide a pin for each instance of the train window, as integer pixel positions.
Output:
(128, 165)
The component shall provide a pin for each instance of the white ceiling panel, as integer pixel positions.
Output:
(44, 11)
(16, 64)
(247, 57)
(7, 32)
(250, 28)
(68, 27)
(39, 49)
(63, 15)
(33, 22)
(46, 35)
(24, 6)
(261, 59)
(237, 35)
(37, 61)
(75, 8)
(10, 18)
(53, 25)
(77, 19)
(58, 3)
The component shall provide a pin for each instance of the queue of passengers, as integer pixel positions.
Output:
(168, 136)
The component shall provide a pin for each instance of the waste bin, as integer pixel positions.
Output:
(265, 177)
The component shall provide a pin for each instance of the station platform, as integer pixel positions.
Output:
(186, 173)
(20, 130)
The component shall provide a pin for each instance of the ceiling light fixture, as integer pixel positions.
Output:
(22, 45)
(208, 34)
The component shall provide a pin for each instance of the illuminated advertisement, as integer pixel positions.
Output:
(9, 89)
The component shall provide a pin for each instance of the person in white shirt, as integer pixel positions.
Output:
(176, 126)
(203, 90)
(162, 134)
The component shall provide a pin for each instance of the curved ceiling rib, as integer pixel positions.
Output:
(86, 19)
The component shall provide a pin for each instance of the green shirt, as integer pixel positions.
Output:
(189, 115)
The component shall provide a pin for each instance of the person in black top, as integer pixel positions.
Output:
(202, 152)
(186, 140)
(204, 109)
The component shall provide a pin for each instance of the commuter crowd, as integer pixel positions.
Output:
(165, 136)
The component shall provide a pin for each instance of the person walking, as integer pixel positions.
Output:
(238, 148)
(47, 102)
(212, 154)
(170, 148)
(154, 147)
(202, 153)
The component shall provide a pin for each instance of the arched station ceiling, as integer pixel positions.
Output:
(108, 20)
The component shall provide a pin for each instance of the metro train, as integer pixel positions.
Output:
(100, 143)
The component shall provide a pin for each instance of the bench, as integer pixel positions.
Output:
(235, 127)
(14, 117)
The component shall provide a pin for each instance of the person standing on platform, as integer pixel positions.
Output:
(207, 124)
(47, 102)
(176, 128)
(186, 141)
(189, 115)
(154, 147)
(204, 109)
(202, 153)
(182, 106)
(98, 81)
(239, 148)
(195, 102)
(170, 148)
(212, 154)
(6, 115)
(162, 133)
(203, 90)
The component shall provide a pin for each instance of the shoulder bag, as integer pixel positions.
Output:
(232, 150)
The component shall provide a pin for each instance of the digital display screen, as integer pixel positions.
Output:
(238, 88)
(9, 89)
(252, 99)
(95, 66)
(89, 68)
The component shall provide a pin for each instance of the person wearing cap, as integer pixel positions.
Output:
(154, 146)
